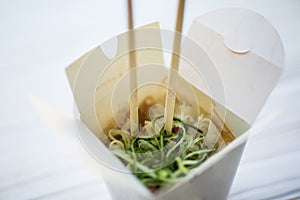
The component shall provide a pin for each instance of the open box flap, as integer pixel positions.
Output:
(93, 76)
(247, 53)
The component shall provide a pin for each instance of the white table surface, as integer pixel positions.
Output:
(39, 38)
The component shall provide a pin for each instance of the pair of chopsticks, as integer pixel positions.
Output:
(170, 98)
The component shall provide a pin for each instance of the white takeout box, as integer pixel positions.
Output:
(233, 57)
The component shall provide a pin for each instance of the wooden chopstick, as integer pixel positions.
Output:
(133, 105)
(170, 98)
